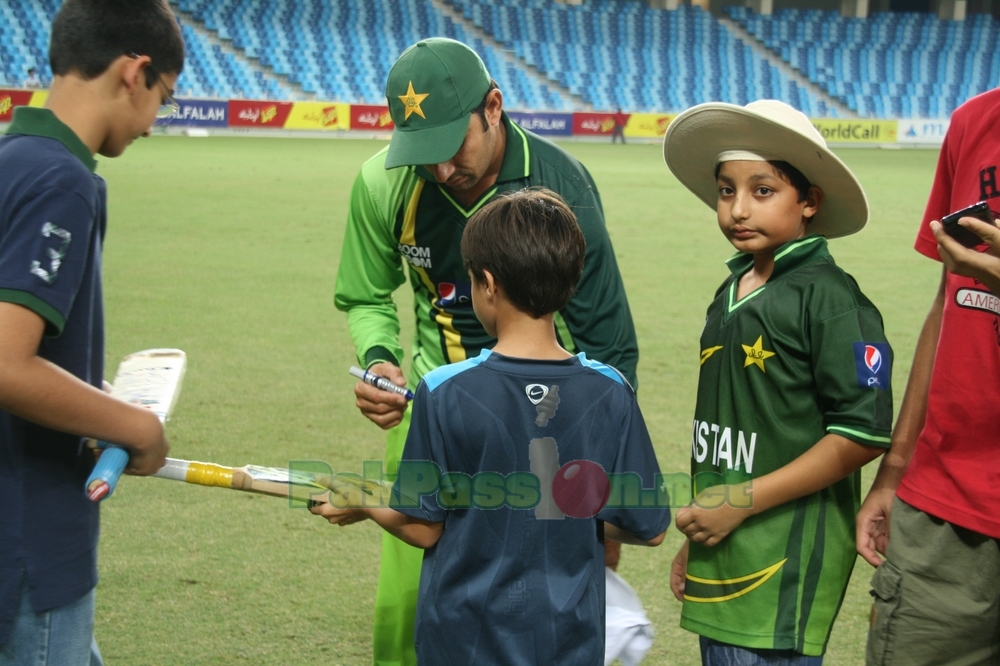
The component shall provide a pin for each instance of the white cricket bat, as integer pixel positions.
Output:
(150, 378)
(348, 489)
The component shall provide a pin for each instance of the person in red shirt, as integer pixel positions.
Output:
(936, 494)
(619, 130)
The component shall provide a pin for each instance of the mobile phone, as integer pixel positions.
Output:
(967, 238)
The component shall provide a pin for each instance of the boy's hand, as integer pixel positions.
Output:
(339, 516)
(710, 526)
(149, 458)
(383, 408)
(872, 525)
(678, 571)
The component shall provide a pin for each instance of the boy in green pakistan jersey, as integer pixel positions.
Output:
(793, 393)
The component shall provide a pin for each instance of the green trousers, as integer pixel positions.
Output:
(398, 579)
(936, 596)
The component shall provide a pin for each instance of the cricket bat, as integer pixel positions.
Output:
(347, 489)
(150, 378)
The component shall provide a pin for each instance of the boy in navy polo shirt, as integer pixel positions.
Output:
(115, 63)
(521, 441)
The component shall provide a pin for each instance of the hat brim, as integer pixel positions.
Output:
(696, 138)
(429, 145)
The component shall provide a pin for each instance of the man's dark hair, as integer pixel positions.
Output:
(481, 109)
(794, 177)
(88, 35)
(531, 243)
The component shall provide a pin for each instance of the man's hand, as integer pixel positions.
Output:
(383, 408)
(960, 260)
(872, 525)
(678, 571)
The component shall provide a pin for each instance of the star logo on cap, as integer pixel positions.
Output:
(411, 102)
(756, 355)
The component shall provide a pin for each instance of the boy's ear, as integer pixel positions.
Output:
(490, 283)
(133, 71)
(814, 197)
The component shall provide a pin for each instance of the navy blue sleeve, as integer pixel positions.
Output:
(635, 467)
(422, 461)
(44, 253)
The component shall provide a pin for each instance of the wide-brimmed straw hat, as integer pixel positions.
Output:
(704, 135)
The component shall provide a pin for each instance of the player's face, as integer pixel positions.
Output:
(758, 209)
(475, 166)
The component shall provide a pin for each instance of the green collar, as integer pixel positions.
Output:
(787, 258)
(516, 155)
(31, 121)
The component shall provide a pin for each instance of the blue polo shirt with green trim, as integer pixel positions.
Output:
(52, 224)
(803, 356)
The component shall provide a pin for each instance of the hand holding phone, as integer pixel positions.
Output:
(949, 223)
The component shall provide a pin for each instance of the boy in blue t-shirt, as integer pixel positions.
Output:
(510, 460)
(115, 63)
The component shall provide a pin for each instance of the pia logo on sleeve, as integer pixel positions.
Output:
(872, 362)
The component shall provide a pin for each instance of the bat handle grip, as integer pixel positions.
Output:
(106, 472)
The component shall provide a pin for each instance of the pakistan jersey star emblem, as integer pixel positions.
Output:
(411, 102)
(756, 355)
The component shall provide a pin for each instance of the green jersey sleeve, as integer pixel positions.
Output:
(598, 318)
(370, 268)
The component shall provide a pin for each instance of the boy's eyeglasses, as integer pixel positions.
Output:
(169, 106)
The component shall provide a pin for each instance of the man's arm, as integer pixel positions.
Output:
(960, 260)
(828, 461)
(598, 316)
(370, 271)
(43, 393)
(873, 517)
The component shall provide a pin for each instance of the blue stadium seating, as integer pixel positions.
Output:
(610, 53)
(890, 64)
(24, 39)
(621, 53)
(343, 51)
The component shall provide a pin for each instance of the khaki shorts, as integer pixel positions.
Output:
(937, 595)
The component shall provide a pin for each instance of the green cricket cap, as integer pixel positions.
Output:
(431, 90)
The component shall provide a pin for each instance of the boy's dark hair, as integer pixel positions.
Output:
(795, 177)
(88, 35)
(531, 243)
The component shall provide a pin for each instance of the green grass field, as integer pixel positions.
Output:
(228, 249)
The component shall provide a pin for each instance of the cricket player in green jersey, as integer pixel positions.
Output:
(453, 150)
(793, 394)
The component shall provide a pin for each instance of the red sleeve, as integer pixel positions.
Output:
(939, 203)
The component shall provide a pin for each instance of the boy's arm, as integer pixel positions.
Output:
(873, 517)
(829, 460)
(618, 534)
(43, 393)
(414, 531)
